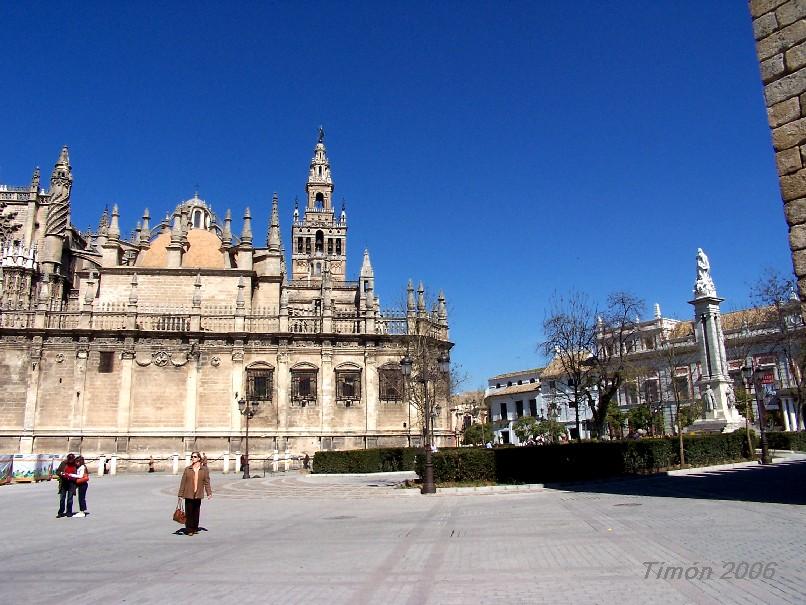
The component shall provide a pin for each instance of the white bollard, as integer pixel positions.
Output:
(275, 464)
(175, 463)
(237, 462)
(287, 457)
(226, 462)
(101, 460)
(113, 466)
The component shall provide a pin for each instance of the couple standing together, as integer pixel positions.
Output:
(193, 486)
(72, 475)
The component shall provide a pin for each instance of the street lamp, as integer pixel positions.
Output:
(754, 377)
(424, 376)
(747, 376)
(762, 416)
(247, 409)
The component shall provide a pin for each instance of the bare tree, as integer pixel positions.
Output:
(616, 338)
(569, 337)
(674, 351)
(593, 349)
(775, 293)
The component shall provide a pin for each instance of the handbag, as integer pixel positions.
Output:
(179, 513)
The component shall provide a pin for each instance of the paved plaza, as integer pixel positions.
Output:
(294, 538)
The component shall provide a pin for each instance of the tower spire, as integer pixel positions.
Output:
(320, 183)
(320, 236)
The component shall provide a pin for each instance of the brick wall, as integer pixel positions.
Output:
(779, 27)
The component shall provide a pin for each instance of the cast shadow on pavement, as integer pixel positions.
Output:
(183, 532)
(782, 483)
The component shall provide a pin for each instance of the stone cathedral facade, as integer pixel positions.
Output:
(144, 345)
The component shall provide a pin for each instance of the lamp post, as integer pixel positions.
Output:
(423, 377)
(747, 376)
(762, 417)
(247, 409)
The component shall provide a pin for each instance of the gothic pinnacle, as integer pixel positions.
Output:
(226, 233)
(366, 265)
(246, 232)
(273, 239)
(114, 226)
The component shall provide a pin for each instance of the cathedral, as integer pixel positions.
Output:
(152, 345)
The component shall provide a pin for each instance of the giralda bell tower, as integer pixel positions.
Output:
(320, 237)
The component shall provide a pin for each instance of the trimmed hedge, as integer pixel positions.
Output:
(581, 461)
(365, 461)
(787, 441)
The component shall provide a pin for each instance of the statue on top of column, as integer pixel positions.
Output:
(704, 286)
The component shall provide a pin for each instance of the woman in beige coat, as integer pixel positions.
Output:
(195, 483)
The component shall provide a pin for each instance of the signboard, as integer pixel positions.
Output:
(5, 468)
(32, 467)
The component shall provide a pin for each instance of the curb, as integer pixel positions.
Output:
(481, 489)
(723, 467)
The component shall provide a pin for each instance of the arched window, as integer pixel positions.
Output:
(320, 241)
(317, 269)
(338, 246)
(320, 201)
(299, 244)
(198, 217)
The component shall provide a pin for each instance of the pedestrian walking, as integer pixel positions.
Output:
(67, 485)
(193, 486)
(151, 464)
(82, 483)
(306, 462)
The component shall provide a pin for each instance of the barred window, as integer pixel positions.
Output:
(391, 384)
(259, 384)
(348, 385)
(106, 363)
(303, 387)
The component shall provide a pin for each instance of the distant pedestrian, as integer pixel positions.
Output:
(194, 484)
(243, 461)
(204, 459)
(107, 465)
(151, 464)
(306, 462)
(67, 485)
(82, 483)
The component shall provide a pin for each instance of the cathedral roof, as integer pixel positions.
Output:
(203, 251)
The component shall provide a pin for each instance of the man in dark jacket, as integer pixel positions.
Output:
(67, 485)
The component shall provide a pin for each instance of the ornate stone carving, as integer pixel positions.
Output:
(237, 355)
(215, 361)
(161, 359)
(59, 357)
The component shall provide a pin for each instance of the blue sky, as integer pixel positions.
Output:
(498, 151)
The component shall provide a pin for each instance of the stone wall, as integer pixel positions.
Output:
(59, 393)
(779, 27)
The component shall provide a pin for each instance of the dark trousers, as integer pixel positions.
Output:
(192, 510)
(66, 494)
(82, 496)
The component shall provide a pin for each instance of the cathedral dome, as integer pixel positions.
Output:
(203, 251)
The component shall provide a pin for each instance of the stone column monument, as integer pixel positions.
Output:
(716, 386)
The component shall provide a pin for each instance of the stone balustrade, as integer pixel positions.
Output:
(128, 317)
